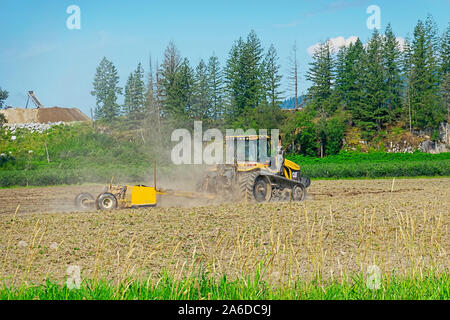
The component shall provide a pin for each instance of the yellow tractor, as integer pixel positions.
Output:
(256, 174)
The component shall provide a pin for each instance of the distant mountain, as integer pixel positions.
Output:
(290, 103)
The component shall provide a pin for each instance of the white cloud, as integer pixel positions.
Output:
(339, 42)
(336, 44)
(401, 43)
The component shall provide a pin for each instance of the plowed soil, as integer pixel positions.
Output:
(341, 230)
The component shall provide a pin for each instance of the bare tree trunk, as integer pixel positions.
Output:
(293, 73)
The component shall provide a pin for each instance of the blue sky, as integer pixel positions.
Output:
(38, 52)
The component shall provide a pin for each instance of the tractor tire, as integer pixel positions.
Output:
(84, 201)
(106, 201)
(253, 187)
(306, 181)
(298, 193)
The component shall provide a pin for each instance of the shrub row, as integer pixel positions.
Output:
(377, 170)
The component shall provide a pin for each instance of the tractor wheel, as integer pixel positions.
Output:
(106, 201)
(254, 187)
(306, 181)
(262, 190)
(298, 193)
(84, 201)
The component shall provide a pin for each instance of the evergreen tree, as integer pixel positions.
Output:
(426, 109)
(3, 96)
(244, 75)
(444, 70)
(127, 107)
(392, 65)
(134, 104)
(407, 75)
(272, 78)
(106, 90)
(376, 113)
(234, 81)
(215, 82)
(251, 64)
(168, 85)
(185, 85)
(202, 94)
(320, 74)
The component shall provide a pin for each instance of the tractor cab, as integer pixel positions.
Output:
(248, 150)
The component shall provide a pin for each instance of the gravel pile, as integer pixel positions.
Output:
(32, 127)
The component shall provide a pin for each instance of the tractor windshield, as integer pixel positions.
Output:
(244, 149)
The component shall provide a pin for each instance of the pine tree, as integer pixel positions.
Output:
(320, 74)
(392, 65)
(3, 96)
(407, 75)
(184, 85)
(202, 94)
(272, 77)
(376, 113)
(426, 109)
(106, 90)
(139, 92)
(215, 82)
(251, 65)
(244, 75)
(127, 107)
(444, 70)
(169, 88)
(134, 104)
(234, 81)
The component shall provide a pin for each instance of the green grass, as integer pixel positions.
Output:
(80, 154)
(430, 286)
(374, 165)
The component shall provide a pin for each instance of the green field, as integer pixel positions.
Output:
(374, 165)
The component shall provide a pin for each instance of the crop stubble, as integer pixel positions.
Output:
(344, 227)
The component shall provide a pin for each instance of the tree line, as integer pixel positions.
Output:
(369, 86)
(375, 86)
(243, 90)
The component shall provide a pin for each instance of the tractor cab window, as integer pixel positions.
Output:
(245, 149)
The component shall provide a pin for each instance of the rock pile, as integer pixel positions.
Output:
(32, 127)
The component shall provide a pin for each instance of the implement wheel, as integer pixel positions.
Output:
(106, 201)
(85, 201)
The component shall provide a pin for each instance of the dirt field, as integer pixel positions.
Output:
(342, 228)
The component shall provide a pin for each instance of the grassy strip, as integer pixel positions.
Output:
(203, 287)
(377, 170)
(372, 157)
(53, 176)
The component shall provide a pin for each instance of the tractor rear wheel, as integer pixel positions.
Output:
(106, 201)
(84, 201)
(254, 187)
